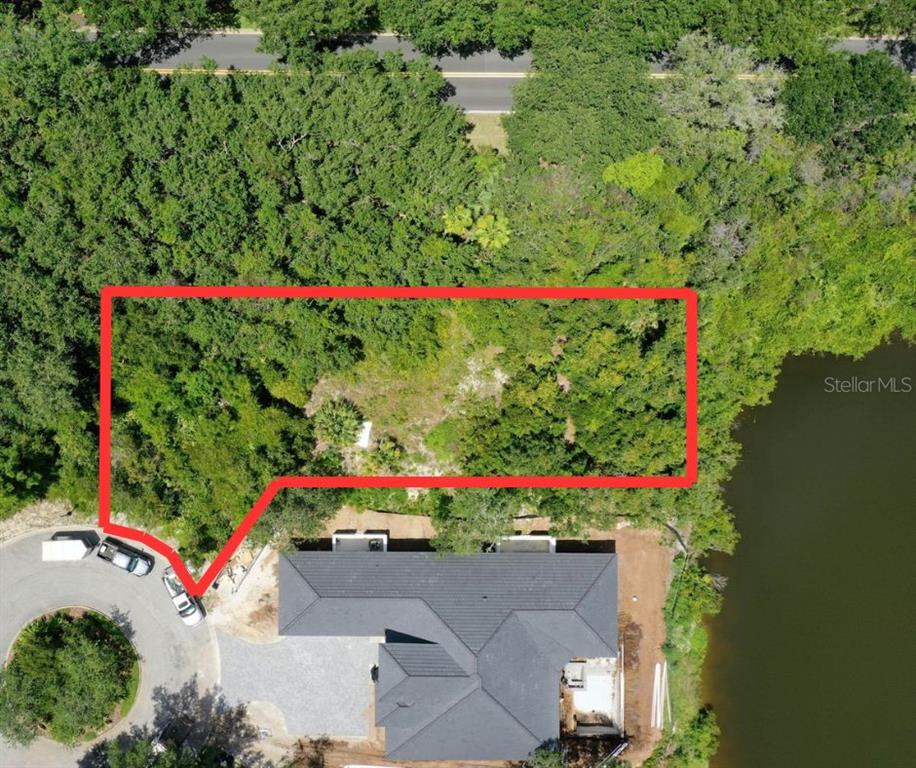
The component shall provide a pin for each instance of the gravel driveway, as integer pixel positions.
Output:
(321, 685)
(175, 659)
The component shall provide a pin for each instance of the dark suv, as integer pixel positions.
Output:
(125, 556)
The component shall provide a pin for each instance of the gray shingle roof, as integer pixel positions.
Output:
(533, 697)
(473, 594)
(475, 728)
(492, 631)
(424, 660)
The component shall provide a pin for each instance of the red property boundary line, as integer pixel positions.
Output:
(197, 587)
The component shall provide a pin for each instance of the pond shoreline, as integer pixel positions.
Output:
(802, 655)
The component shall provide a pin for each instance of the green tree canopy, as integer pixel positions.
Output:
(588, 104)
(885, 17)
(318, 178)
(65, 677)
(856, 107)
(793, 29)
(298, 29)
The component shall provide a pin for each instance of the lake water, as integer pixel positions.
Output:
(811, 662)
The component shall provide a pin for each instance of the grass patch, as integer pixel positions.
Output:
(443, 439)
(487, 131)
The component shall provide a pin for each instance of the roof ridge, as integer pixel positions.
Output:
(304, 610)
(471, 692)
(382, 648)
(384, 654)
(535, 631)
(591, 586)
(498, 627)
(611, 559)
(610, 562)
(300, 614)
(439, 621)
(508, 712)
(582, 620)
(449, 628)
(526, 628)
(444, 712)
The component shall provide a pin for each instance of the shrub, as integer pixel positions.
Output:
(337, 423)
(546, 757)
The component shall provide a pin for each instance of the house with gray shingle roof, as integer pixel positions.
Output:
(472, 648)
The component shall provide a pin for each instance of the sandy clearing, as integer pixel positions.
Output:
(245, 605)
(645, 568)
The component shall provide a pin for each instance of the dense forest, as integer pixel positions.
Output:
(300, 29)
(786, 201)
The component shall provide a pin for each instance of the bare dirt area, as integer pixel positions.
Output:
(245, 604)
(396, 525)
(644, 574)
(324, 753)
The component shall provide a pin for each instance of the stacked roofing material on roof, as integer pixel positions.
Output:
(476, 644)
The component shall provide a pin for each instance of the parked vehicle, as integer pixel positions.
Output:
(189, 608)
(65, 545)
(125, 556)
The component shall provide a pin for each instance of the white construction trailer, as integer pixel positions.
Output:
(64, 549)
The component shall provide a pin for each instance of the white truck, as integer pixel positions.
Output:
(188, 607)
(63, 546)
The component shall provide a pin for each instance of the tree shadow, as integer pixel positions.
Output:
(121, 620)
(216, 726)
(216, 722)
(905, 51)
(140, 49)
(447, 91)
(165, 46)
(349, 41)
(95, 757)
(145, 47)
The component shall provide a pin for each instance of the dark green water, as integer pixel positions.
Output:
(811, 662)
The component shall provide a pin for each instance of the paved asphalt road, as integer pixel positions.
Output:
(482, 82)
(176, 660)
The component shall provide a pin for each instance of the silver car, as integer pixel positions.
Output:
(189, 609)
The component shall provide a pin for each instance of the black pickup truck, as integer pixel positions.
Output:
(125, 556)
